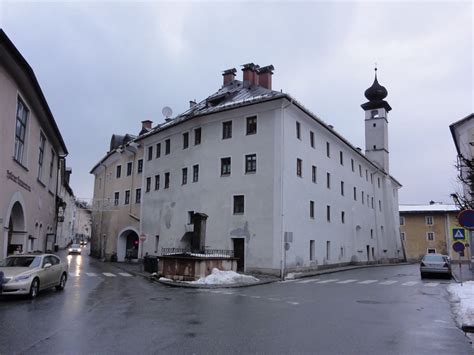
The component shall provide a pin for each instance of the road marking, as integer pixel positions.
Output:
(327, 281)
(307, 281)
(91, 274)
(256, 296)
(388, 282)
(124, 274)
(273, 299)
(227, 293)
(366, 282)
(346, 281)
(432, 284)
(293, 303)
(109, 274)
(293, 280)
(410, 283)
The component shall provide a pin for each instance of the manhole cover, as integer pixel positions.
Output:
(368, 302)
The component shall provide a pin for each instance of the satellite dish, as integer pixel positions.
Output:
(167, 111)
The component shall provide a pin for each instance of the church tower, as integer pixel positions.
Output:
(376, 124)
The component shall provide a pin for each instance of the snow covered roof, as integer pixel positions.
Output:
(436, 207)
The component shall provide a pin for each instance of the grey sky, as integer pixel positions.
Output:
(106, 66)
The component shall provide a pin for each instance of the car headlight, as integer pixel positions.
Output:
(70, 249)
(21, 278)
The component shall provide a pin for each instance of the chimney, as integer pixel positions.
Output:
(193, 102)
(250, 75)
(265, 76)
(146, 124)
(229, 75)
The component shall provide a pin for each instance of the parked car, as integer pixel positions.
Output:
(435, 264)
(75, 249)
(29, 274)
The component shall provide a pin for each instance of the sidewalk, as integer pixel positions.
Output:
(463, 273)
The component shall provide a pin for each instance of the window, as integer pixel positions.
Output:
(328, 149)
(140, 166)
(251, 125)
(227, 130)
(127, 197)
(41, 155)
(328, 249)
(138, 195)
(157, 241)
(360, 170)
(343, 217)
(402, 220)
(158, 150)
(251, 163)
(118, 171)
(116, 198)
(148, 184)
(311, 209)
(51, 165)
(355, 193)
(341, 157)
(362, 194)
(167, 180)
(430, 236)
(311, 138)
(129, 168)
(429, 220)
(431, 251)
(20, 131)
(311, 250)
(299, 167)
(352, 164)
(314, 176)
(150, 152)
(372, 234)
(185, 140)
(403, 236)
(195, 173)
(197, 136)
(380, 205)
(185, 176)
(378, 182)
(366, 175)
(225, 166)
(372, 202)
(239, 204)
(157, 182)
(190, 217)
(342, 188)
(328, 213)
(374, 114)
(167, 146)
(298, 130)
(328, 180)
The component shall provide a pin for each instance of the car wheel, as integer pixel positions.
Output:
(34, 288)
(62, 282)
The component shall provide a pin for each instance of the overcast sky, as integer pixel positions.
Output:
(106, 66)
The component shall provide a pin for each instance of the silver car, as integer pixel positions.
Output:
(435, 264)
(29, 274)
(75, 249)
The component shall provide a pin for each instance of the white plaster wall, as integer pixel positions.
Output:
(164, 212)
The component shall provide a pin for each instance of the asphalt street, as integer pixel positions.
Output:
(104, 310)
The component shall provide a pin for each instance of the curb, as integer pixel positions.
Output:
(185, 285)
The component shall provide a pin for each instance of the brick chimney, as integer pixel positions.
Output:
(146, 124)
(250, 74)
(265, 76)
(229, 75)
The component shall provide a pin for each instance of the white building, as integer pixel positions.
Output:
(66, 208)
(280, 187)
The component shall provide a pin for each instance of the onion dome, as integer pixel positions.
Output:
(376, 92)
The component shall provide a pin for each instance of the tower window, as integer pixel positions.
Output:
(374, 114)
(374, 125)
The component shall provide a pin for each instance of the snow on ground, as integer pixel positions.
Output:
(462, 297)
(218, 277)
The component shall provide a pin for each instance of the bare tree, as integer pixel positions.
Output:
(463, 198)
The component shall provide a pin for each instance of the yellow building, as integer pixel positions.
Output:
(431, 228)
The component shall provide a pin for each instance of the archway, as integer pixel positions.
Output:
(16, 229)
(127, 244)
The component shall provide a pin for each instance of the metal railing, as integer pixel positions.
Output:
(202, 252)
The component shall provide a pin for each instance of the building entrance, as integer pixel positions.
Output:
(16, 230)
(239, 253)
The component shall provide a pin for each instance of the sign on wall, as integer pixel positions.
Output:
(458, 234)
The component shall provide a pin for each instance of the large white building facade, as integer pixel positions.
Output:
(279, 186)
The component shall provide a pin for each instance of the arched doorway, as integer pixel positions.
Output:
(127, 245)
(16, 230)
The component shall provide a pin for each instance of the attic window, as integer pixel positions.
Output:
(217, 99)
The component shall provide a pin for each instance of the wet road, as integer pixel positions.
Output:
(385, 310)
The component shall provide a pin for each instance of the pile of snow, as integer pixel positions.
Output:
(462, 297)
(164, 279)
(292, 275)
(218, 277)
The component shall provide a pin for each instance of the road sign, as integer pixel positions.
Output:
(143, 237)
(466, 219)
(458, 247)
(459, 233)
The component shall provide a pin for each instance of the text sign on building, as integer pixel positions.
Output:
(458, 234)
(466, 218)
